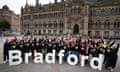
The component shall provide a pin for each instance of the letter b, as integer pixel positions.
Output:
(15, 57)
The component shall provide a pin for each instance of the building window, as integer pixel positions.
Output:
(44, 31)
(76, 11)
(117, 25)
(106, 24)
(106, 34)
(61, 25)
(107, 11)
(61, 14)
(55, 31)
(90, 33)
(35, 31)
(116, 33)
(49, 31)
(97, 34)
(119, 11)
(98, 12)
(45, 25)
(35, 16)
(50, 25)
(39, 32)
(90, 25)
(61, 31)
(98, 24)
(36, 25)
(55, 25)
(27, 17)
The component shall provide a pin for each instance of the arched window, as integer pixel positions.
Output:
(118, 25)
(55, 24)
(115, 24)
(76, 29)
(90, 25)
(61, 25)
(106, 24)
(79, 10)
(98, 24)
(50, 25)
(119, 11)
(45, 25)
(112, 11)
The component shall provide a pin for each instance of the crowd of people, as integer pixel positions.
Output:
(71, 44)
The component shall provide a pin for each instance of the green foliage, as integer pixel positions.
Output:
(4, 24)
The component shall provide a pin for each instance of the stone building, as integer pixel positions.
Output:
(83, 17)
(11, 17)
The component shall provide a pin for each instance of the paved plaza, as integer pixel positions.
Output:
(31, 67)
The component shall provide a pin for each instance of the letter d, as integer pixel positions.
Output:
(99, 60)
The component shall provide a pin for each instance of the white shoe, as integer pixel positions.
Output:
(4, 62)
(111, 70)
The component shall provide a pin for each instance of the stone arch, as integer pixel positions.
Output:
(98, 24)
(76, 29)
(107, 24)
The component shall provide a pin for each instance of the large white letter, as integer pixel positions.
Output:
(38, 57)
(27, 57)
(61, 54)
(75, 59)
(50, 57)
(83, 58)
(99, 61)
(15, 57)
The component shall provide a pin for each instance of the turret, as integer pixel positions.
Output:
(26, 5)
(37, 2)
(56, 1)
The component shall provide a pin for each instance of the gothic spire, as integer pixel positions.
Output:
(37, 2)
(26, 5)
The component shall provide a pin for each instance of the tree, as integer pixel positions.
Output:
(4, 25)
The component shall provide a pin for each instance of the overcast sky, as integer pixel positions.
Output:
(15, 5)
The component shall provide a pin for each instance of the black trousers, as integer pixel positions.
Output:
(111, 61)
(5, 57)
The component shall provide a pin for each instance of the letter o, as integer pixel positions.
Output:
(75, 59)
